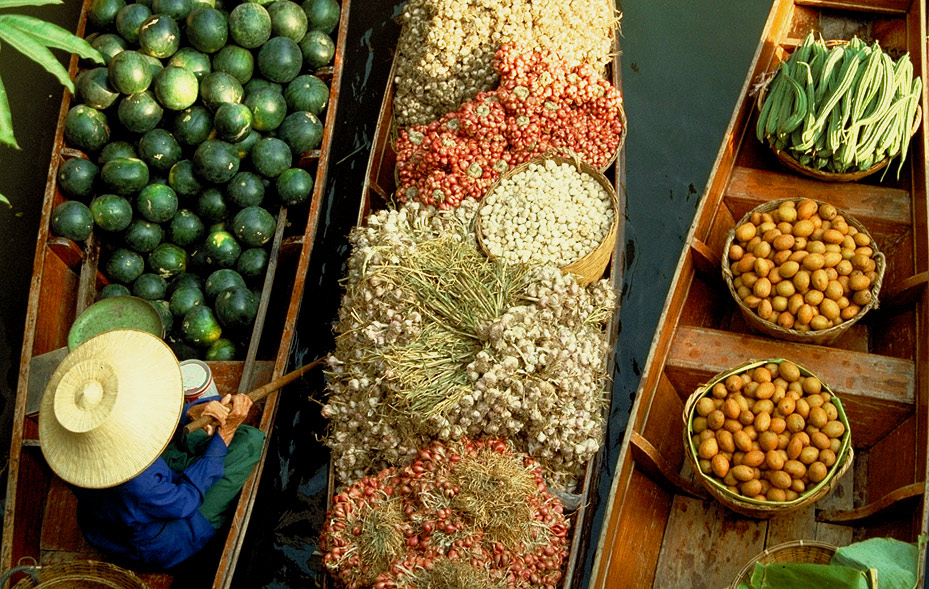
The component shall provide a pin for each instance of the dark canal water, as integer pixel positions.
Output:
(683, 66)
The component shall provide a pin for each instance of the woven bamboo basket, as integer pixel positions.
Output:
(589, 267)
(86, 574)
(790, 162)
(797, 551)
(755, 507)
(824, 336)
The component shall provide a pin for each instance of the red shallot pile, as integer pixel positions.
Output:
(541, 105)
(462, 514)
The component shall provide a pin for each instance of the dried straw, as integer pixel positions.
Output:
(453, 574)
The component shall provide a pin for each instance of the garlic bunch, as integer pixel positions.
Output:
(446, 47)
(549, 213)
(526, 362)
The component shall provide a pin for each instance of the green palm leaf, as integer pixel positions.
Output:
(25, 44)
(51, 35)
(15, 3)
(6, 121)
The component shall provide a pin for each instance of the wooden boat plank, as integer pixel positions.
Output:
(881, 209)
(694, 525)
(892, 461)
(709, 351)
(639, 537)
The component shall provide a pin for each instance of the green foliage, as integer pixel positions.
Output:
(34, 38)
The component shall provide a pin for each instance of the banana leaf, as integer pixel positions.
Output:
(895, 561)
(793, 575)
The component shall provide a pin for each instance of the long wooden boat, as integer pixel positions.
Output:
(660, 529)
(39, 518)
(378, 190)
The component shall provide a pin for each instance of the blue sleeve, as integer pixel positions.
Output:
(164, 494)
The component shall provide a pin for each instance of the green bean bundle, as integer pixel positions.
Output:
(841, 109)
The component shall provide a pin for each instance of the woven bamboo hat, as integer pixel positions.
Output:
(110, 408)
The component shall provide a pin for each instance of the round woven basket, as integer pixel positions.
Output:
(790, 162)
(87, 574)
(823, 336)
(591, 266)
(755, 507)
(797, 551)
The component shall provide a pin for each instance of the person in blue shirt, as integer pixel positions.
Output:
(111, 426)
(169, 511)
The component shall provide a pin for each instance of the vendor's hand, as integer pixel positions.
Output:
(218, 410)
(240, 406)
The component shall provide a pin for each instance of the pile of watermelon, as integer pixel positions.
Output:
(192, 130)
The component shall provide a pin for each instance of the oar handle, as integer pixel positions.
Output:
(259, 393)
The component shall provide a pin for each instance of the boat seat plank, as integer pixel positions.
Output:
(884, 6)
(876, 391)
(882, 210)
(692, 526)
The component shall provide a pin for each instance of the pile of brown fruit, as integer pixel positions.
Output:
(803, 266)
(769, 433)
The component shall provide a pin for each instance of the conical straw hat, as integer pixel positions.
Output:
(110, 408)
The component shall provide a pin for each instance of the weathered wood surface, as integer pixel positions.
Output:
(655, 533)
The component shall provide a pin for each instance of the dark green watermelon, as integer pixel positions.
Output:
(157, 202)
(139, 113)
(183, 180)
(280, 59)
(124, 175)
(236, 308)
(129, 72)
(216, 161)
(72, 219)
(86, 128)
(93, 88)
(245, 189)
(111, 212)
(159, 150)
(307, 93)
(250, 25)
(129, 20)
(253, 226)
(77, 177)
(142, 236)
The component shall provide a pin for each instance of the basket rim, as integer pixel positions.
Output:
(559, 158)
(801, 543)
(827, 334)
(843, 457)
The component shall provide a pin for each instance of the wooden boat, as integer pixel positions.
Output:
(659, 529)
(39, 519)
(377, 191)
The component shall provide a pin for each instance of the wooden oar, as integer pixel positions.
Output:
(259, 393)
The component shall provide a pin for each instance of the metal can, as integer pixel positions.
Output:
(198, 380)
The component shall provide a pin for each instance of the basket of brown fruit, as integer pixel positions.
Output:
(767, 437)
(802, 270)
